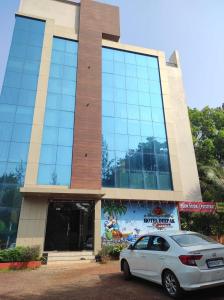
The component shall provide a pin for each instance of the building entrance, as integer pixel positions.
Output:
(70, 226)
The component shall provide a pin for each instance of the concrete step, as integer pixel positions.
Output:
(55, 256)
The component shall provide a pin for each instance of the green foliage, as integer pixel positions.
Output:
(20, 254)
(111, 250)
(114, 209)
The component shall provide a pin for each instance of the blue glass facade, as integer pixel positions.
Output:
(134, 147)
(17, 102)
(56, 151)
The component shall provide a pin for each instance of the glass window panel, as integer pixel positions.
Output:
(120, 110)
(108, 109)
(153, 74)
(18, 50)
(68, 103)
(142, 72)
(131, 83)
(108, 94)
(36, 26)
(13, 80)
(55, 85)
(143, 85)
(131, 70)
(159, 130)
(120, 126)
(121, 178)
(56, 71)
(108, 141)
(51, 118)
(50, 135)
(157, 115)
(66, 119)
(47, 174)
(144, 99)
(64, 155)
(65, 137)
(156, 100)
(163, 163)
(108, 80)
(120, 95)
(121, 142)
(69, 73)
(155, 87)
(70, 60)
(63, 175)
(141, 60)
(134, 127)
(31, 67)
(145, 113)
(108, 66)
(108, 54)
(152, 62)
(136, 180)
(7, 112)
(119, 56)
(119, 82)
(24, 115)
(29, 82)
(15, 64)
(57, 57)
(68, 87)
(4, 146)
(71, 47)
(134, 142)
(6, 131)
(2, 168)
(9, 95)
(161, 146)
(119, 68)
(21, 133)
(36, 39)
(13, 168)
(20, 37)
(59, 44)
(146, 129)
(54, 101)
(149, 162)
(27, 98)
(130, 58)
(108, 125)
(33, 53)
(108, 172)
(148, 144)
(133, 112)
(18, 152)
(150, 180)
(136, 162)
(48, 154)
(132, 97)
(164, 181)
(22, 23)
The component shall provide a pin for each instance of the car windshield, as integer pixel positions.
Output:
(194, 239)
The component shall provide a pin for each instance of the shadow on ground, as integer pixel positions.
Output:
(110, 287)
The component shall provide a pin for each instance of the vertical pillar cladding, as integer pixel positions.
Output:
(97, 21)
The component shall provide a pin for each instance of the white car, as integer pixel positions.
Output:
(178, 260)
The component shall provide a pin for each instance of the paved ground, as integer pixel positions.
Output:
(85, 281)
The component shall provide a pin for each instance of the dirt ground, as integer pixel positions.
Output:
(85, 281)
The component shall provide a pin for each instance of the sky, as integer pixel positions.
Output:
(193, 27)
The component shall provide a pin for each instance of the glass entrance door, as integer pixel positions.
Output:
(70, 226)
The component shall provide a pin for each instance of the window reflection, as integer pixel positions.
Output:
(134, 148)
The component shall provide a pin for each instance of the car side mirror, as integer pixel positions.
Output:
(131, 247)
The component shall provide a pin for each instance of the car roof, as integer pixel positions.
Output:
(170, 232)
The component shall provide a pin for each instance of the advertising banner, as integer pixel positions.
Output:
(200, 207)
(126, 221)
(220, 207)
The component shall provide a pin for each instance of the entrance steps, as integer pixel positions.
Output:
(70, 256)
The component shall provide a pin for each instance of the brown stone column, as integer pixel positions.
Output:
(96, 21)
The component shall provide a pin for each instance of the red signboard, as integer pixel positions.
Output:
(202, 207)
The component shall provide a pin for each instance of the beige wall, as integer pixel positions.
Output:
(32, 223)
(63, 13)
(185, 149)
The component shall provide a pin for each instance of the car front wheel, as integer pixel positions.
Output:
(171, 285)
(126, 270)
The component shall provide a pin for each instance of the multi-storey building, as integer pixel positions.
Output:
(94, 134)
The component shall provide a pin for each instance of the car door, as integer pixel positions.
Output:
(136, 257)
(155, 256)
